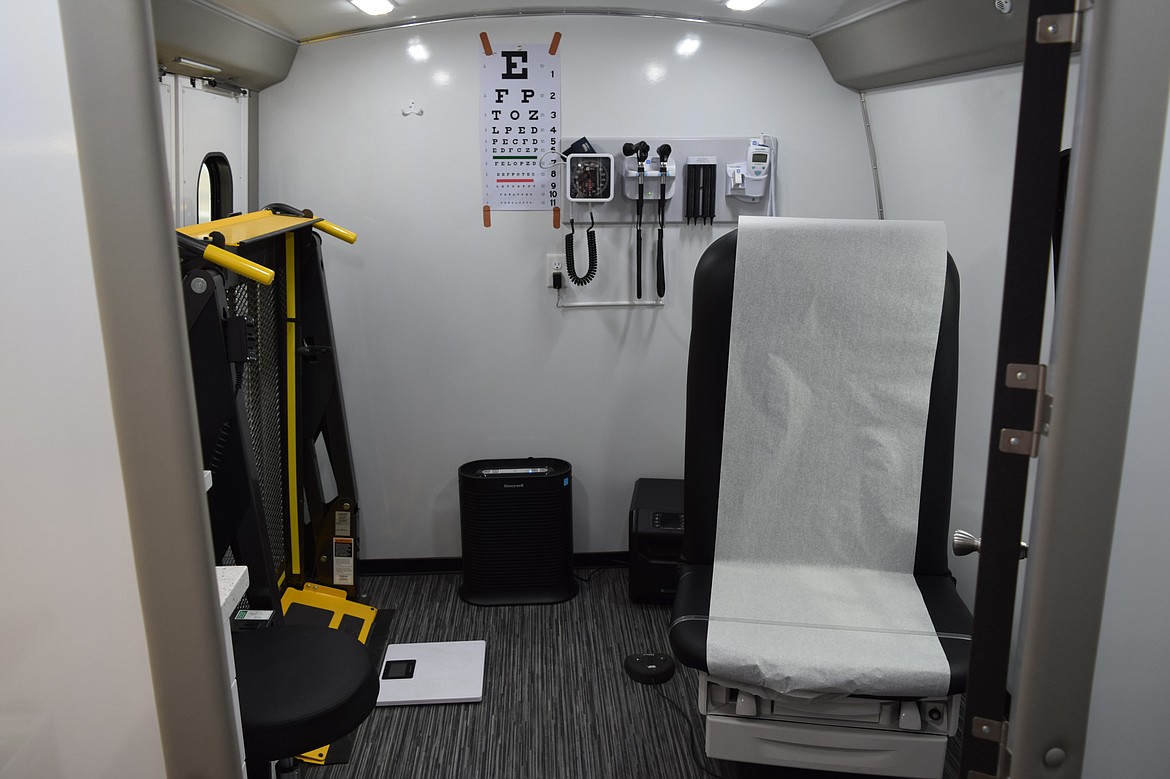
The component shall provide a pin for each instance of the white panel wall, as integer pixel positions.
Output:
(1128, 718)
(208, 122)
(76, 697)
(197, 122)
(946, 150)
(169, 105)
(451, 347)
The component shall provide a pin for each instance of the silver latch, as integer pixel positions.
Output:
(964, 543)
(1032, 377)
(992, 730)
(1062, 28)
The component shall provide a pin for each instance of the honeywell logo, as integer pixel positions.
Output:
(512, 486)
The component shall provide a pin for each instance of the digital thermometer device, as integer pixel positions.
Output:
(759, 158)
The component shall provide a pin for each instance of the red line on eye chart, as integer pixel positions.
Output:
(514, 181)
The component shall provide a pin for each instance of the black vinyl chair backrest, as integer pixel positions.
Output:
(707, 394)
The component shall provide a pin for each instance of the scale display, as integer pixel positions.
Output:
(520, 100)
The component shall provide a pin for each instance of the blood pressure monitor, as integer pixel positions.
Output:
(590, 178)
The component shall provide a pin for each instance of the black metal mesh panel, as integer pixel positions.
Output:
(263, 389)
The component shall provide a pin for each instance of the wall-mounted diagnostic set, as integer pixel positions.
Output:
(721, 179)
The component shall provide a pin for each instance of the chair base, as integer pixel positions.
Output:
(879, 737)
(826, 747)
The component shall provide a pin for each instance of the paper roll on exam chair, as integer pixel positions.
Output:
(814, 592)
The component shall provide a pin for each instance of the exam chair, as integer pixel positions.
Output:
(889, 735)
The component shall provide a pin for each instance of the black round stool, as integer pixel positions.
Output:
(300, 687)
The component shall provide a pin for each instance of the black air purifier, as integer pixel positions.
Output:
(517, 526)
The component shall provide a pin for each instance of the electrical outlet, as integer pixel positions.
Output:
(554, 263)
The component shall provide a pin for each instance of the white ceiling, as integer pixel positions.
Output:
(303, 20)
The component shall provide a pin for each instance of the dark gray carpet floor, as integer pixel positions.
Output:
(556, 702)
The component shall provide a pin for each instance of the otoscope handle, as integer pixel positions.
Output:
(641, 191)
(661, 269)
(641, 197)
(638, 267)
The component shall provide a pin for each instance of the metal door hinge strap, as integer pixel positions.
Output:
(1031, 377)
(997, 731)
(1062, 28)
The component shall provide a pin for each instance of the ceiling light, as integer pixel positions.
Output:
(742, 5)
(374, 7)
(197, 65)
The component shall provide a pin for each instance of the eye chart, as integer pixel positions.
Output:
(520, 103)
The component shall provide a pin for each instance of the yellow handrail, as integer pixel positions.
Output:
(337, 232)
(235, 262)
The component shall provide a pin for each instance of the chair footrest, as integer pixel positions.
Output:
(937, 716)
(826, 747)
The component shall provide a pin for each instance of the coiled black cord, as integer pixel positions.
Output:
(569, 248)
(591, 239)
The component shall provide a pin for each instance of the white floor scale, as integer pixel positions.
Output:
(441, 672)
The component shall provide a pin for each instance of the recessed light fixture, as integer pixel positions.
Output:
(742, 5)
(374, 7)
(197, 64)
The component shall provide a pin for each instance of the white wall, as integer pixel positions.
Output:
(946, 150)
(196, 122)
(1128, 718)
(76, 697)
(451, 348)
